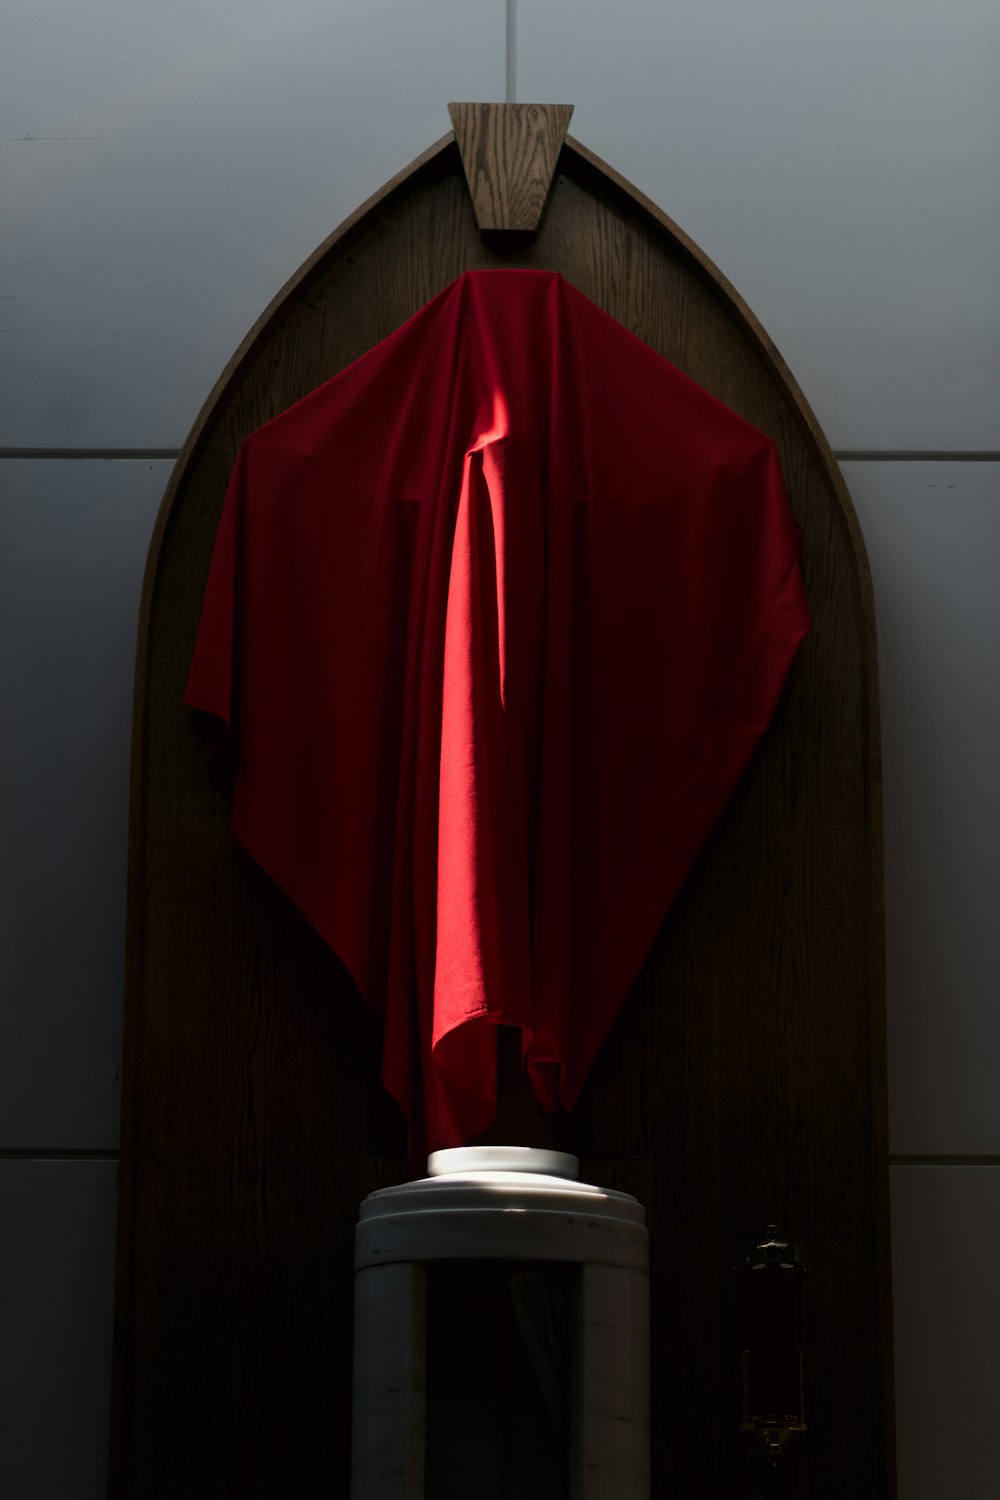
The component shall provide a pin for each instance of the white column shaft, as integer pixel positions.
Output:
(388, 1443)
(609, 1435)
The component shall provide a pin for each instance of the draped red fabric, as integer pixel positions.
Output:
(494, 621)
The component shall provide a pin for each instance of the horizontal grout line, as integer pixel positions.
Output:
(842, 455)
(86, 1153)
(130, 453)
(985, 1160)
(56, 1153)
(917, 456)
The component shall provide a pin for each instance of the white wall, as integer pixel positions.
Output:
(165, 166)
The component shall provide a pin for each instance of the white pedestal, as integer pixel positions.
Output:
(502, 1204)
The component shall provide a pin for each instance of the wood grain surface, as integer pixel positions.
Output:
(509, 154)
(743, 1084)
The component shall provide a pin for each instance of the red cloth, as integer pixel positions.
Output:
(496, 618)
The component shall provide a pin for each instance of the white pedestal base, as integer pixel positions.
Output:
(523, 1216)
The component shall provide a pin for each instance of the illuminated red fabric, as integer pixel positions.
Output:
(496, 618)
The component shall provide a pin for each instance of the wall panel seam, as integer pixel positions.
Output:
(843, 455)
(974, 1159)
(57, 1153)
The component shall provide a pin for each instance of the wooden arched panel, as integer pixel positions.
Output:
(744, 1081)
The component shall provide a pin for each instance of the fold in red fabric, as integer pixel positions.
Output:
(495, 620)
